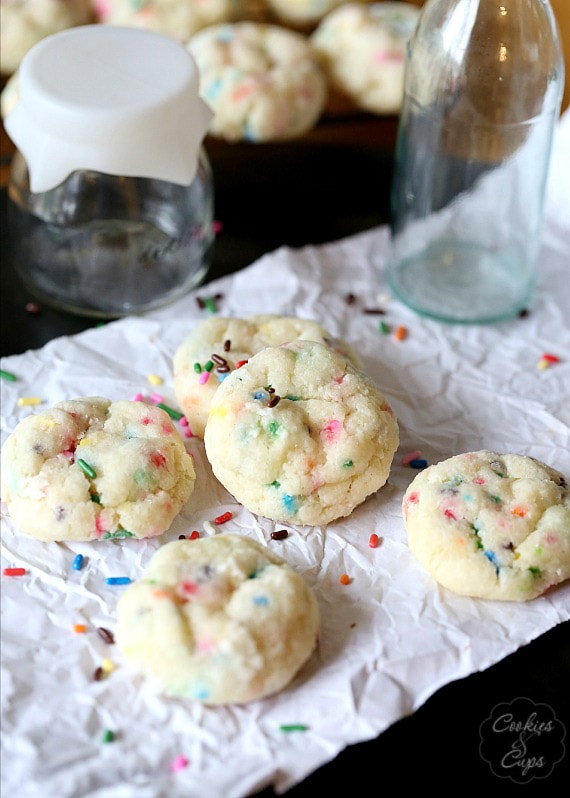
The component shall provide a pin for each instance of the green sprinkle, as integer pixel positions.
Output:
(347, 464)
(118, 535)
(384, 329)
(538, 549)
(293, 727)
(272, 428)
(108, 736)
(96, 498)
(292, 398)
(496, 499)
(274, 484)
(197, 368)
(534, 571)
(208, 365)
(86, 468)
(172, 413)
(209, 304)
(6, 375)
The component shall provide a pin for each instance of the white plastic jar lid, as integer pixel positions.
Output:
(117, 100)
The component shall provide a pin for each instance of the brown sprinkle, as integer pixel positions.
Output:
(274, 400)
(281, 534)
(106, 635)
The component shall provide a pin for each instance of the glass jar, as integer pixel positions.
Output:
(110, 194)
(107, 246)
(483, 88)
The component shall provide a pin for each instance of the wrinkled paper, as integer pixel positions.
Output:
(389, 640)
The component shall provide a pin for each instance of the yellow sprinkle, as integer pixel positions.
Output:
(29, 400)
(542, 364)
(154, 379)
(218, 411)
(107, 665)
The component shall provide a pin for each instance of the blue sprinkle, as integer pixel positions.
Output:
(261, 601)
(418, 463)
(492, 558)
(201, 693)
(117, 580)
(290, 503)
(77, 563)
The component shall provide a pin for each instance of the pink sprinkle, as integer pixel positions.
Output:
(188, 433)
(138, 397)
(407, 458)
(217, 226)
(204, 377)
(450, 514)
(183, 421)
(414, 498)
(331, 430)
(479, 481)
(179, 763)
(155, 398)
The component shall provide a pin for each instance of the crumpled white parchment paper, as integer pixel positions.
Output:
(389, 639)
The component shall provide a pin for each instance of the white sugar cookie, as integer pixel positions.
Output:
(216, 346)
(91, 469)
(220, 620)
(493, 526)
(363, 50)
(262, 82)
(26, 22)
(300, 436)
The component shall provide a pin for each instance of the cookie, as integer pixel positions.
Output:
(492, 526)
(179, 19)
(220, 620)
(302, 13)
(26, 22)
(300, 436)
(90, 469)
(363, 51)
(262, 82)
(216, 346)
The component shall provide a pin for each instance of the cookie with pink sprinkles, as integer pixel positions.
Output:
(218, 620)
(492, 526)
(299, 435)
(92, 469)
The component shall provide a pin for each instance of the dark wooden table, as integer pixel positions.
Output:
(332, 184)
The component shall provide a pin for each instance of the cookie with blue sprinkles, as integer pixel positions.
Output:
(218, 620)
(491, 526)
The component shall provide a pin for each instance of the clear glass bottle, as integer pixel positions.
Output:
(110, 195)
(483, 88)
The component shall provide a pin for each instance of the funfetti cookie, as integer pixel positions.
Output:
(219, 620)
(300, 436)
(262, 82)
(220, 344)
(492, 526)
(91, 469)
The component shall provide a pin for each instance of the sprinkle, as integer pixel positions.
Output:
(86, 468)
(240, 363)
(154, 379)
(200, 302)
(188, 433)
(450, 514)
(217, 226)
(172, 413)
(118, 580)
(350, 299)
(293, 727)
(373, 541)
(520, 511)
(197, 368)
(138, 397)
(280, 534)
(79, 628)
(14, 571)
(179, 763)
(183, 421)
(120, 534)
(274, 401)
(208, 365)
(24, 401)
(227, 345)
(219, 360)
(418, 463)
(407, 458)
(6, 375)
(222, 519)
(542, 364)
(344, 579)
(204, 377)
(106, 635)
(33, 308)
(107, 665)
(384, 328)
(374, 311)
(98, 674)
(401, 333)
(194, 535)
(77, 563)
(550, 358)
(156, 398)
(108, 736)
(210, 305)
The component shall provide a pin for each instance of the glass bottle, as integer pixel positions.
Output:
(110, 194)
(483, 88)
